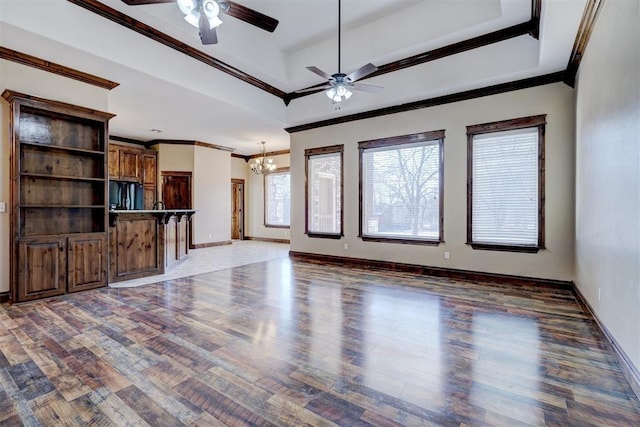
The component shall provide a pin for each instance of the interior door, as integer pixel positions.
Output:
(176, 190)
(176, 194)
(237, 209)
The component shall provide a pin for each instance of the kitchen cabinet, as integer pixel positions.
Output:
(149, 178)
(129, 160)
(138, 165)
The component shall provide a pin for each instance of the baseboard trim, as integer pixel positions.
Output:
(449, 273)
(267, 239)
(4, 297)
(627, 367)
(210, 244)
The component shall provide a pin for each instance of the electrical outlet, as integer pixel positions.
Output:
(3, 207)
(210, 235)
(346, 246)
(447, 255)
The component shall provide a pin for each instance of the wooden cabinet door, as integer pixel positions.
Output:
(129, 165)
(42, 267)
(149, 171)
(149, 196)
(87, 257)
(114, 163)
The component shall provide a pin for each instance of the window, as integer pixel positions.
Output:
(505, 200)
(401, 191)
(323, 201)
(277, 199)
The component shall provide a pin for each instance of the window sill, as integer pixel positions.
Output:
(324, 235)
(401, 240)
(277, 226)
(505, 248)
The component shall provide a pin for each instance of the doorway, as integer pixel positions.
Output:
(176, 194)
(237, 209)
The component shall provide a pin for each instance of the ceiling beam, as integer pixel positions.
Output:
(165, 39)
(442, 52)
(588, 21)
(530, 27)
(440, 100)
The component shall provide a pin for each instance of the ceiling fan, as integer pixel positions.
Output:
(203, 14)
(340, 85)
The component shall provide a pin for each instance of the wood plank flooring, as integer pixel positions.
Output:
(292, 343)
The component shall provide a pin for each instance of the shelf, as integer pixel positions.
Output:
(63, 177)
(61, 148)
(62, 206)
(51, 220)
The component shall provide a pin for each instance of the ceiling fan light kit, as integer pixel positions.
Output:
(192, 10)
(339, 86)
(204, 15)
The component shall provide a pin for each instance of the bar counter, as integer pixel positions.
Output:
(144, 242)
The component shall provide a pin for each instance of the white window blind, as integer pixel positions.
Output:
(324, 193)
(505, 187)
(278, 199)
(401, 191)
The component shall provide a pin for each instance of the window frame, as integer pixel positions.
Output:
(265, 197)
(437, 135)
(538, 121)
(308, 153)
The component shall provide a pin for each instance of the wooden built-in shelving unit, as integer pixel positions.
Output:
(58, 197)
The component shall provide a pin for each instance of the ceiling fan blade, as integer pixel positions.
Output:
(313, 89)
(366, 88)
(319, 72)
(139, 2)
(361, 72)
(250, 16)
(207, 35)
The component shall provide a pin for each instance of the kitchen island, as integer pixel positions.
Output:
(144, 242)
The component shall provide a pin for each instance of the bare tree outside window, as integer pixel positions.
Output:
(401, 189)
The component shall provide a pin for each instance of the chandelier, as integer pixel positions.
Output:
(262, 165)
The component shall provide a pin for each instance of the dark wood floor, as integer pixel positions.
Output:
(291, 343)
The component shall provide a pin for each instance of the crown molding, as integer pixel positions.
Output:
(269, 153)
(517, 30)
(127, 140)
(587, 23)
(52, 67)
(165, 39)
(440, 100)
(188, 142)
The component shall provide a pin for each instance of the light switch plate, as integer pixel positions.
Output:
(3, 207)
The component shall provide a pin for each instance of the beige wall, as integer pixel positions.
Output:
(174, 158)
(211, 190)
(255, 208)
(31, 81)
(211, 195)
(608, 173)
(239, 169)
(556, 262)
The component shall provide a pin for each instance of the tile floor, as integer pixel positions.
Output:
(240, 252)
